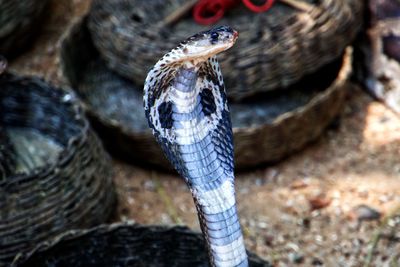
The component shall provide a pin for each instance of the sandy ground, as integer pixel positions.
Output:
(303, 211)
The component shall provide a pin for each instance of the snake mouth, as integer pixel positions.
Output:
(235, 35)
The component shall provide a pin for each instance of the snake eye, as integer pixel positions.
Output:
(214, 36)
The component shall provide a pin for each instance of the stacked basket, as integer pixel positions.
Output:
(275, 49)
(285, 77)
(54, 173)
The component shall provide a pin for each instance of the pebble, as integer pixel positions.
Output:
(365, 213)
(319, 202)
(269, 240)
(259, 182)
(271, 174)
(392, 222)
(244, 191)
(131, 201)
(296, 258)
(262, 225)
(317, 262)
(319, 239)
(305, 222)
(298, 184)
(363, 193)
(336, 194)
(385, 198)
(149, 185)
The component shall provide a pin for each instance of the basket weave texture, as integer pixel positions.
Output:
(275, 49)
(19, 21)
(73, 190)
(266, 129)
(124, 245)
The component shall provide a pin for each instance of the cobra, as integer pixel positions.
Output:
(186, 107)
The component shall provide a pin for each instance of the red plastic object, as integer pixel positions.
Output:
(256, 8)
(208, 12)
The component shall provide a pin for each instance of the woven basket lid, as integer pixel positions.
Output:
(56, 175)
(124, 244)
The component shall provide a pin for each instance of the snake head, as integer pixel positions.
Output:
(204, 45)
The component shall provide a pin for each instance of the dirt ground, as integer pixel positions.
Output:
(304, 211)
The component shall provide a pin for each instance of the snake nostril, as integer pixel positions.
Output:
(136, 17)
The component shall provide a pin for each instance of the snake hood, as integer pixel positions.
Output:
(186, 107)
(192, 64)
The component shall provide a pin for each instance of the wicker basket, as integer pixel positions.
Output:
(7, 157)
(59, 177)
(275, 49)
(124, 244)
(18, 23)
(266, 129)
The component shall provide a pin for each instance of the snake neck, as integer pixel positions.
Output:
(185, 79)
(202, 153)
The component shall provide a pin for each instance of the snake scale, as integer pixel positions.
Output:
(186, 106)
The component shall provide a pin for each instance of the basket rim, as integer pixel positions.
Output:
(110, 228)
(75, 27)
(102, 228)
(71, 99)
(337, 83)
(340, 80)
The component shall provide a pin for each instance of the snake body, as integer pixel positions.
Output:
(186, 107)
